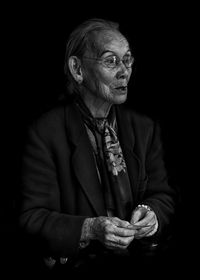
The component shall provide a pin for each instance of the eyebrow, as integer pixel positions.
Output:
(105, 51)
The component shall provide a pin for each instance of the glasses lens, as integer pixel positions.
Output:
(128, 61)
(111, 61)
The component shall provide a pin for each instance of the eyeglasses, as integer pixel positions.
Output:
(113, 61)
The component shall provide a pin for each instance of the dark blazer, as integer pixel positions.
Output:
(60, 185)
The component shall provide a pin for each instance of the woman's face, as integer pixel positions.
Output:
(104, 83)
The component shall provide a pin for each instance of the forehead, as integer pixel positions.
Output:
(111, 41)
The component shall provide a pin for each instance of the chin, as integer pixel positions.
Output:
(119, 99)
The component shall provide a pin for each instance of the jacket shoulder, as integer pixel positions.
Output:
(137, 119)
(50, 124)
(49, 119)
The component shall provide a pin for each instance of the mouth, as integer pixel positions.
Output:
(121, 89)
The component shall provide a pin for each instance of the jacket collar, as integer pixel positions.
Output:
(83, 161)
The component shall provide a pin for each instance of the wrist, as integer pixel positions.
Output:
(87, 232)
(148, 208)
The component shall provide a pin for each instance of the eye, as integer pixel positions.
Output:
(128, 60)
(110, 61)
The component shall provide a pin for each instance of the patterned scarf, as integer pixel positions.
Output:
(110, 161)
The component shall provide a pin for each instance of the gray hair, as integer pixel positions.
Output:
(80, 40)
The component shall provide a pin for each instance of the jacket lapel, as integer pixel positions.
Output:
(127, 142)
(83, 160)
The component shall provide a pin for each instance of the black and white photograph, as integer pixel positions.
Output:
(97, 142)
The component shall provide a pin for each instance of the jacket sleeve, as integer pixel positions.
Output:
(159, 195)
(40, 214)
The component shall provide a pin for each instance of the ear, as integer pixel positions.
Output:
(75, 68)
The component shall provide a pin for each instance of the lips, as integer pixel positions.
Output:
(121, 88)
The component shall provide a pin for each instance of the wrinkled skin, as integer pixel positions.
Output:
(112, 232)
(146, 221)
(99, 86)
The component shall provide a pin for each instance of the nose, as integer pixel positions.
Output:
(123, 72)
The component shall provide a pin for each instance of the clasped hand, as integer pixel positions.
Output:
(115, 233)
(145, 221)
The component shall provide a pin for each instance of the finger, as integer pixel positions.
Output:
(112, 229)
(124, 232)
(154, 230)
(117, 242)
(148, 219)
(138, 227)
(136, 216)
(144, 232)
(124, 241)
(151, 233)
(120, 223)
(145, 226)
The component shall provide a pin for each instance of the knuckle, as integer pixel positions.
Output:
(126, 242)
(106, 237)
(122, 242)
(111, 228)
(107, 228)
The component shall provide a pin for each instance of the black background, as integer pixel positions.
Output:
(164, 40)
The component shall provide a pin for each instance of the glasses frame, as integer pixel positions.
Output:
(102, 60)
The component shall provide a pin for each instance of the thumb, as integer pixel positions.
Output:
(135, 217)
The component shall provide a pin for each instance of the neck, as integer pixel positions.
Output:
(98, 108)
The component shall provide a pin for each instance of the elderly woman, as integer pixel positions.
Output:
(94, 182)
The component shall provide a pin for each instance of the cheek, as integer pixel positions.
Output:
(101, 79)
(91, 79)
(106, 79)
(105, 86)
